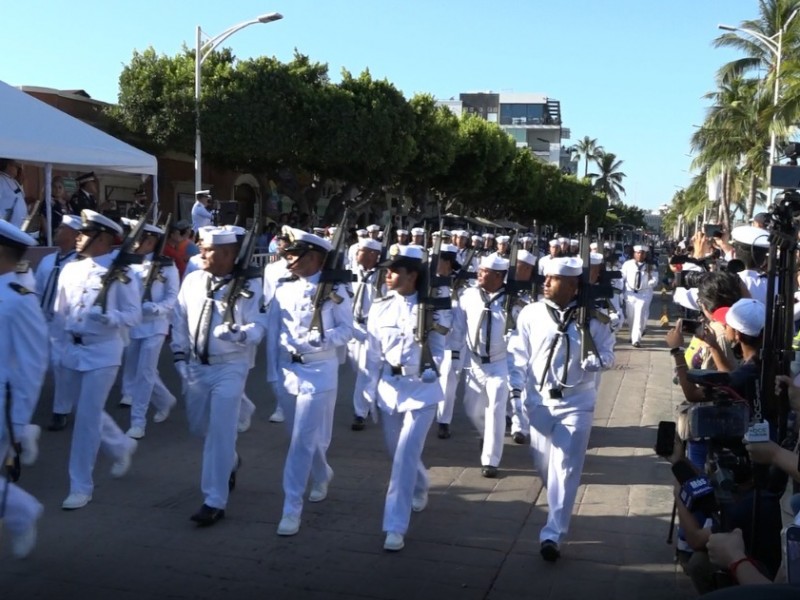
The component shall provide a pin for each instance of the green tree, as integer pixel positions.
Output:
(588, 149)
(609, 180)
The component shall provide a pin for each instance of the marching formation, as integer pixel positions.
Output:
(415, 321)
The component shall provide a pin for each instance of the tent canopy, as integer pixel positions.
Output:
(36, 133)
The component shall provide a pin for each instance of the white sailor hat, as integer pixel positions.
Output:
(461, 233)
(595, 258)
(571, 266)
(607, 245)
(362, 232)
(13, 237)
(574, 242)
(301, 242)
(436, 234)
(417, 231)
(747, 316)
(401, 232)
(593, 246)
(235, 229)
(488, 235)
(332, 230)
(476, 237)
(552, 243)
(448, 248)
(202, 232)
(126, 222)
(200, 193)
(525, 238)
(71, 221)
(370, 244)
(641, 248)
(318, 230)
(526, 257)
(563, 240)
(373, 227)
(502, 239)
(148, 228)
(494, 263)
(445, 233)
(220, 237)
(749, 235)
(409, 257)
(94, 221)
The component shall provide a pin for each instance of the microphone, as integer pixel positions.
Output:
(697, 493)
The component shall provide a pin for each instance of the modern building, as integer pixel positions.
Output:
(533, 120)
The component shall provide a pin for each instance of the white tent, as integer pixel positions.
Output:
(36, 133)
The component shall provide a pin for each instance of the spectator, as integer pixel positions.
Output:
(178, 243)
(85, 196)
(59, 205)
(12, 200)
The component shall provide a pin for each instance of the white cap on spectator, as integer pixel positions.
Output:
(747, 316)
(235, 229)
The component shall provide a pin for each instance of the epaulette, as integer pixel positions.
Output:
(20, 289)
(23, 266)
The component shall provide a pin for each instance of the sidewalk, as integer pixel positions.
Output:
(478, 538)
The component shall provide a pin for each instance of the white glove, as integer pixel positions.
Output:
(182, 369)
(314, 338)
(96, 314)
(591, 364)
(429, 376)
(614, 321)
(229, 333)
(151, 309)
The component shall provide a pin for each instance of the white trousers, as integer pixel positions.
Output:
(309, 420)
(94, 428)
(141, 356)
(637, 308)
(22, 509)
(246, 408)
(449, 372)
(405, 434)
(485, 396)
(356, 362)
(519, 416)
(559, 438)
(213, 393)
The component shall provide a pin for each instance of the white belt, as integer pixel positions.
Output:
(229, 358)
(308, 357)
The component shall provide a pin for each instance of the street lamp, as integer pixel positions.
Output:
(202, 50)
(776, 47)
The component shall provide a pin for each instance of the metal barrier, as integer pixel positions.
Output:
(262, 259)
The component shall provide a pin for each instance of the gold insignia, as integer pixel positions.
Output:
(394, 251)
(289, 233)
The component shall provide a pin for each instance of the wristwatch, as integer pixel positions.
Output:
(676, 351)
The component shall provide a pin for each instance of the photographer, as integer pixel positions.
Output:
(751, 245)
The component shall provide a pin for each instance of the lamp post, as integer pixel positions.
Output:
(776, 47)
(202, 50)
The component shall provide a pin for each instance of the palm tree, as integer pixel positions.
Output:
(609, 180)
(588, 149)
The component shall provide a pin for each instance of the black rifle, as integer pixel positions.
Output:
(28, 222)
(118, 271)
(159, 261)
(588, 295)
(428, 302)
(513, 286)
(333, 273)
(464, 274)
(243, 271)
(380, 274)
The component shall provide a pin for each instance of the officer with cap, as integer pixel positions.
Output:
(94, 335)
(406, 397)
(48, 273)
(201, 216)
(23, 362)
(304, 364)
(558, 387)
(640, 279)
(481, 315)
(213, 358)
(140, 376)
(367, 285)
(85, 196)
(12, 199)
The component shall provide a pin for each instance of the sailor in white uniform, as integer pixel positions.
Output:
(201, 216)
(640, 279)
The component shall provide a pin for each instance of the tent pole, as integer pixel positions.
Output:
(48, 202)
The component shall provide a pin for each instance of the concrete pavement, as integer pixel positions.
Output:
(478, 538)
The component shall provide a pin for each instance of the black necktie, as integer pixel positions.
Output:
(358, 304)
(49, 293)
(487, 317)
(638, 282)
(203, 333)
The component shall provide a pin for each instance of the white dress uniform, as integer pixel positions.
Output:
(23, 362)
(47, 275)
(560, 396)
(216, 368)
(12, 201)
(365, 290)
(305, 368)
(141, 356)
(407, 400)
(273, 272)
(640, 280)
(93, 345)
(452, 362)
(482, 317)
(201, 216)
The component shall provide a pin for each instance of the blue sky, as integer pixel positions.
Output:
(630, 73)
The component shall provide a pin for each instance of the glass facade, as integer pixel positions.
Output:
(522, 114)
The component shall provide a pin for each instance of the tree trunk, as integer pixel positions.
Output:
(751, 197)
(725, 200)
(585, 166)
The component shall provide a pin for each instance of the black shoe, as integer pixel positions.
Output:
(232, 478)
(207, 515)
(444, 431)
(58, 422)
(358, 423)
(637, 345)
(549, 551)
(489, 471)
(519, 438)
(508, 425)
(480, 444)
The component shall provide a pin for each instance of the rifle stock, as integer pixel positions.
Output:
(157, 263)
(427, 304)
(512, 285)
(242, 271)
(585, 299)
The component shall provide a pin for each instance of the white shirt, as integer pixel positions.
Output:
(201, 216)
(12, 201)
(647, 281)
(47, 275)
(164, 294)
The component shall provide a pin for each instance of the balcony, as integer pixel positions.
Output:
(530, 122)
